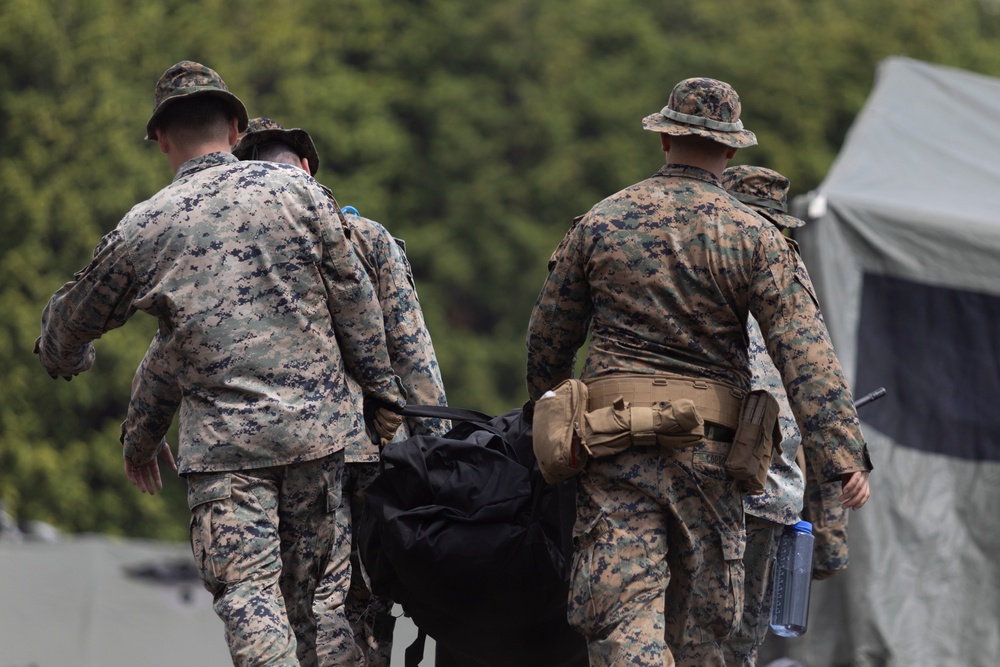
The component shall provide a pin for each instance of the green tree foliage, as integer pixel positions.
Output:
(474, 130)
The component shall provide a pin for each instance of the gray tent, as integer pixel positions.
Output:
(96, 601)
(903, 244)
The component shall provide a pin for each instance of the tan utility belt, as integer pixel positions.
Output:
(576, 421)
(717, 402)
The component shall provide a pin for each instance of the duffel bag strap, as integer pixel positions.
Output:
(445, 412)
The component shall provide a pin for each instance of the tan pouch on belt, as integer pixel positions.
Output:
(556, 431)
(565, 434)
(757, 440)
(613, 429)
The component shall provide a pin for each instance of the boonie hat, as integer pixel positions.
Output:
(188, 79)
(762, 189)
(704, 107)
(264, 130)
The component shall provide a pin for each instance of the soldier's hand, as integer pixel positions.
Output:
(146, 476)
(38, 350)
(854, 487)
(386, 423)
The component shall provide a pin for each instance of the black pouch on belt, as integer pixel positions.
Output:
(757, 440)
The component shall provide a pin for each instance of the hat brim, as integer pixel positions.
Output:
(657, 122)
(235, 104)
(296, 138)
(779, 219)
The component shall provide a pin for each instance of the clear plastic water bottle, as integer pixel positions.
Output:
(791, 581)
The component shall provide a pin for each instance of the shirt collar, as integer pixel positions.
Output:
(203, 162)
(688, 171)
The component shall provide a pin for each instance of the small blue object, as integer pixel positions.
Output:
(803, 527)
(351, 210)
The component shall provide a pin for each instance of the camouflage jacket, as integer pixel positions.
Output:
(156, 397)
(663, 276)
(781, 501)
(261, 301)
(410, 348)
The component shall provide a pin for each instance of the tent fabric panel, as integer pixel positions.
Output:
(935, 350)
(911, 213)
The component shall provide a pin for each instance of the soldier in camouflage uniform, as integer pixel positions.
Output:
(766, 192)
(662, 276)
(155, 397)
(264, 310)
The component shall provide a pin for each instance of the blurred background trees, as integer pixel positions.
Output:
(474, 130)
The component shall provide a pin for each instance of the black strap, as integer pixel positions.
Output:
(445, 412)
(414, 653)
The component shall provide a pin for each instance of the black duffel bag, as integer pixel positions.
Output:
(464, 534)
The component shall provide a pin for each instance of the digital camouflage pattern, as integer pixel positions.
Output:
(766, 513)
(155, 400)
(704, 107)
(411, 350)
(281, 605)
(758, 562)
(264, 130)
(156, 395)
(663, 277)
(658, 548)
(371, 618)
(764, 190)
(829, 519)
(187, 79)
(781, 501)
(231, 258)
(264, 308)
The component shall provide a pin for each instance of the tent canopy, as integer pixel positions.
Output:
(903, 244)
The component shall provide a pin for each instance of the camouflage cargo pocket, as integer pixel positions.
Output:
(711, 464)
(232, 533)
(612, 577)
(733, 551)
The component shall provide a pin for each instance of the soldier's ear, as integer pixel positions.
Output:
(304, 163)
(234, 130)
(665, 142)
(731, 153)
(162, 141)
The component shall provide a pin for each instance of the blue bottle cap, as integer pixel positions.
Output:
(803, 527)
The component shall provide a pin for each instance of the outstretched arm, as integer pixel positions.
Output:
(99, 298)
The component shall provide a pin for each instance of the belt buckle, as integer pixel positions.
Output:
(719, 433)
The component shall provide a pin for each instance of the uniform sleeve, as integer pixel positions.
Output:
(99, 298)
(785, 306)
(357, 316)
(410, 348)
(829, 518)
(560, 318)
(156, 396)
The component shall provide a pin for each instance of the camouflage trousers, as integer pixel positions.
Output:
(657, 576)
(270, 550)
(758, 561)
(370, 617)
